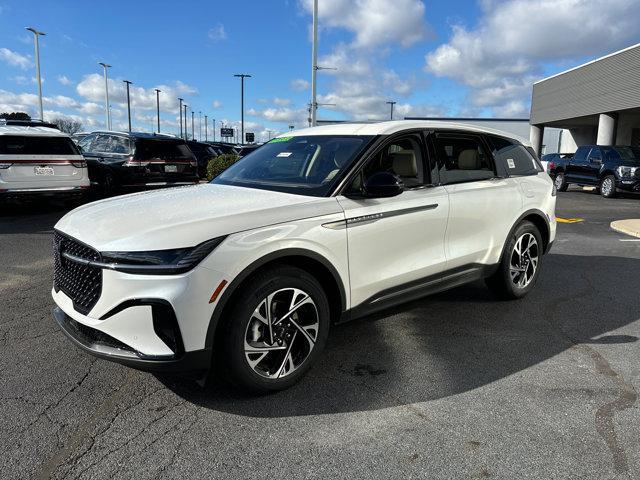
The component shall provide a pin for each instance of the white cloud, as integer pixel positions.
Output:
(15, 59)
(374, 22)
(281, 102)
(217, 33)
(216, 104)
(281, 114)
(501, 57)
(299, 84)
(63, 80)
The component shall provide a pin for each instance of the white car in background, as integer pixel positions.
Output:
(40, 160)
(318, 226)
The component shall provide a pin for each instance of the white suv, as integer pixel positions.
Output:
(248, 272)
(37, 159)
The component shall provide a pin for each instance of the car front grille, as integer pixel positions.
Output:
(80, 282)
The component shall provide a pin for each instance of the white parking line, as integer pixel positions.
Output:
(629, 239)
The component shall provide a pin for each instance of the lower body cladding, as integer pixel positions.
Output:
(150, 322)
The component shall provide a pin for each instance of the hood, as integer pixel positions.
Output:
(185, 216)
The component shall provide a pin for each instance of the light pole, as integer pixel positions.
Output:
(106, 93)
(392, 104)
(199, 126)
(127, 82)
(242, 76)
(193, 134)
(180, 111)
(314, 64)
(206, 129)
(291, 127)
(36, 34)
(158, 107)
(214, 129)
(186, 130)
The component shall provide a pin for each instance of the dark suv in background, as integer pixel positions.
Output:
(118, 160)
(608, 168)
(203, 152)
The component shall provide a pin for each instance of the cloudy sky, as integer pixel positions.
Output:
(434, 58)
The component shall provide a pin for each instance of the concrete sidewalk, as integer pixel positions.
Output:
(630, 227)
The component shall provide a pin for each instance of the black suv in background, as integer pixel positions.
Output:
(608, 168)
(203, 152)
(135, 159)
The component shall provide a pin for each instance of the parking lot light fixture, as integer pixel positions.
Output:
(180, 111)
(158, 107)
(186, 130)
(193, 134)
(214, 129)
(127, 82)
(36, 35)
(242, 76)
(392, 103)
(199, 126)
(206, 128)
(105, 66)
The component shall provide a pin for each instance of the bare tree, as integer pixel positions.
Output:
(67, 125)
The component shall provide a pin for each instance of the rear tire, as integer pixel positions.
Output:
(520, 264)
(608, 186)
(560, 182)
(260, 359)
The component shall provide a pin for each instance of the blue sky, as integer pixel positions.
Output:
(457, 58)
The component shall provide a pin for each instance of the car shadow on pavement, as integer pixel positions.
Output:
(449, 343)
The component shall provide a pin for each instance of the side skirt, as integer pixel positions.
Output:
(416, 289)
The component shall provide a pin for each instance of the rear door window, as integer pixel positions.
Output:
(514, 157)
(147, 149)
(31, 145)
(462, 158)
(595, 155)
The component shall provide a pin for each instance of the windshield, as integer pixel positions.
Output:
(306, 165)
(630, 154)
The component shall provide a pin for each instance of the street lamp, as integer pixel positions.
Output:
(158, 107)
(37, 34)
(392, 104)
(127, 82)
(199, 126)
(180, 111)
(106, 93)
(242, 76)
(186, 130)
(193, 132)
(214, 129)
(206, 129)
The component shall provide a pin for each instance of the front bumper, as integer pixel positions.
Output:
(628, 184)
(106, 347)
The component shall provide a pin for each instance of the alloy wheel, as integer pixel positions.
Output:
(607, 186)
(524, 260)
(281, 333)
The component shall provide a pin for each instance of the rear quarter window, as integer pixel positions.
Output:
(31, 145)
(147, 149)
(513, 156)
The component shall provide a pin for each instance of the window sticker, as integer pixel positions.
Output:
(284, 154)
(280, 139)
(511, 163)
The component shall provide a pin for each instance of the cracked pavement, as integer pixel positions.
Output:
(453, 386)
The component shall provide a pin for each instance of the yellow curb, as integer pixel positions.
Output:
(569, 220)
(630, 227)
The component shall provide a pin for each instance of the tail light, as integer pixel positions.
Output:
(80, 164)
(550, 166)
(134, 163)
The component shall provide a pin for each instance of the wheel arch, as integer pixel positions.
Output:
(539, 219)
(308, 260)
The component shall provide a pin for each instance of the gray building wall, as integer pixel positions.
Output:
(606, 85)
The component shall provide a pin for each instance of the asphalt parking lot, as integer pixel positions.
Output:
(455, 386)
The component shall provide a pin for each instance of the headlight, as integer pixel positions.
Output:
(159, 262)
(627, 171)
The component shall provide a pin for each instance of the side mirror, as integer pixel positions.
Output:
(383, 185)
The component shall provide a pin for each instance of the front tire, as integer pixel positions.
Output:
(608, 186)
(276, 329)
(520, 264)
(561, 182)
